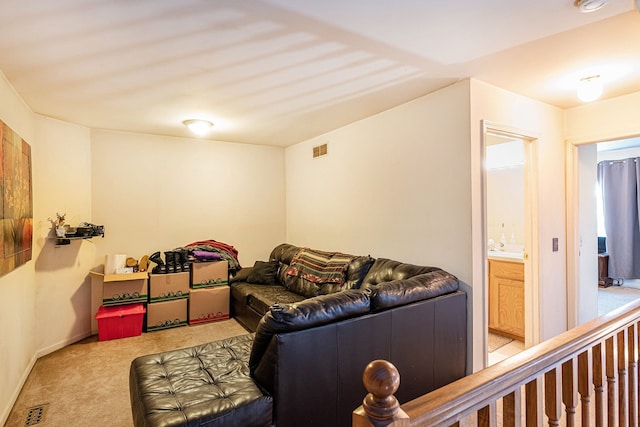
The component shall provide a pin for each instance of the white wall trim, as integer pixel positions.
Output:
(573, 238)
(632, 132)
(23, 379)
(532, 299)
(61, 344)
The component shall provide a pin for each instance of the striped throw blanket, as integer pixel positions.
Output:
(319, 266)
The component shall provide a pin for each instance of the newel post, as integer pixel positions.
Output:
(380, 408)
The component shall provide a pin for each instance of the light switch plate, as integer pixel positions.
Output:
(555, 244)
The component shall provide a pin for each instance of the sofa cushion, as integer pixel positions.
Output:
(306, 314)
(282, 274)
(415, 288)
(264, 273)
(386, 270)
(356, 271)
(261, 297)
(301, 286)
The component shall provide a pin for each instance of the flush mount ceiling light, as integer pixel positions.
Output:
(589, 88)
(198, 127)
(587, 6)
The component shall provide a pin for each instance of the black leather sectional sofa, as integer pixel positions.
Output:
(303, 363)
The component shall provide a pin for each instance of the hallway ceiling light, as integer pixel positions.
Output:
(587, 6)
(198, 127)
(589, 88)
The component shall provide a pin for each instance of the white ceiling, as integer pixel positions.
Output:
(278, 72)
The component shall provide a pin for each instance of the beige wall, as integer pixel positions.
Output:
(604, 120)
(394, 185)
(157, 193)
(18, 288)
(505, 204)
(546, 124)
(62, 183)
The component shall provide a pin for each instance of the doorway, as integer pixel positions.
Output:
(586, 230)
(509, 229)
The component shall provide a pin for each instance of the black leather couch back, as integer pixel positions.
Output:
(284, 253)
(302, 315)
(386, 270)
(315, 374)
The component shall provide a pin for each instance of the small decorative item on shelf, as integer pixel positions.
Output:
(59, 224)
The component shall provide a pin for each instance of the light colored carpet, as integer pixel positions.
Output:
(496, 341)
(87, 383)
(614, 297)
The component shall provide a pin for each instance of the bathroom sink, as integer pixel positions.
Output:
(506, 255)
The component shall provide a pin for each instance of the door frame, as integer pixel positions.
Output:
(532, 288)
(572, 146)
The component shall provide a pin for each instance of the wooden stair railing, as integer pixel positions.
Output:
(587, 376)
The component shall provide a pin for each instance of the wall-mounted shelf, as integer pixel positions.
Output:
(87, 234)
(62, 241)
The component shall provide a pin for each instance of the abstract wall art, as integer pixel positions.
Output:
(17, 200)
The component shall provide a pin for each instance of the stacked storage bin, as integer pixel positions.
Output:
(122, 310)
(168, 296)
(209, 295)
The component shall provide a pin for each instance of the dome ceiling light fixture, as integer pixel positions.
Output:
(589, 88)
(197, 126)
(587, 6)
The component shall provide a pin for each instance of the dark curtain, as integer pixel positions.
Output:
(620, 184)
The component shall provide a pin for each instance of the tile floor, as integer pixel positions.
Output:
(514, 347)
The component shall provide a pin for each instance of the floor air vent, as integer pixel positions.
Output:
(319, 150)
(35, 415)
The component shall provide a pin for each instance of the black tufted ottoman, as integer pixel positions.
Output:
(206, 385)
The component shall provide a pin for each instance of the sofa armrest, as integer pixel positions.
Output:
(305, 314)
(416, 288)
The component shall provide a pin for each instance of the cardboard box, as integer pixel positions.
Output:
(208, 304)
(167, 287)
(118, 289)
(120, 321)
(166, 314)
(208, 274)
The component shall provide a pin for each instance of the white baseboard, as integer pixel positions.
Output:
(6, 411)
(62, 344)
(631, 283)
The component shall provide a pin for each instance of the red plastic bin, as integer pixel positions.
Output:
(120, 321)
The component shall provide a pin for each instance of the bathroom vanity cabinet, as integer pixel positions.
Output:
(506, 298)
